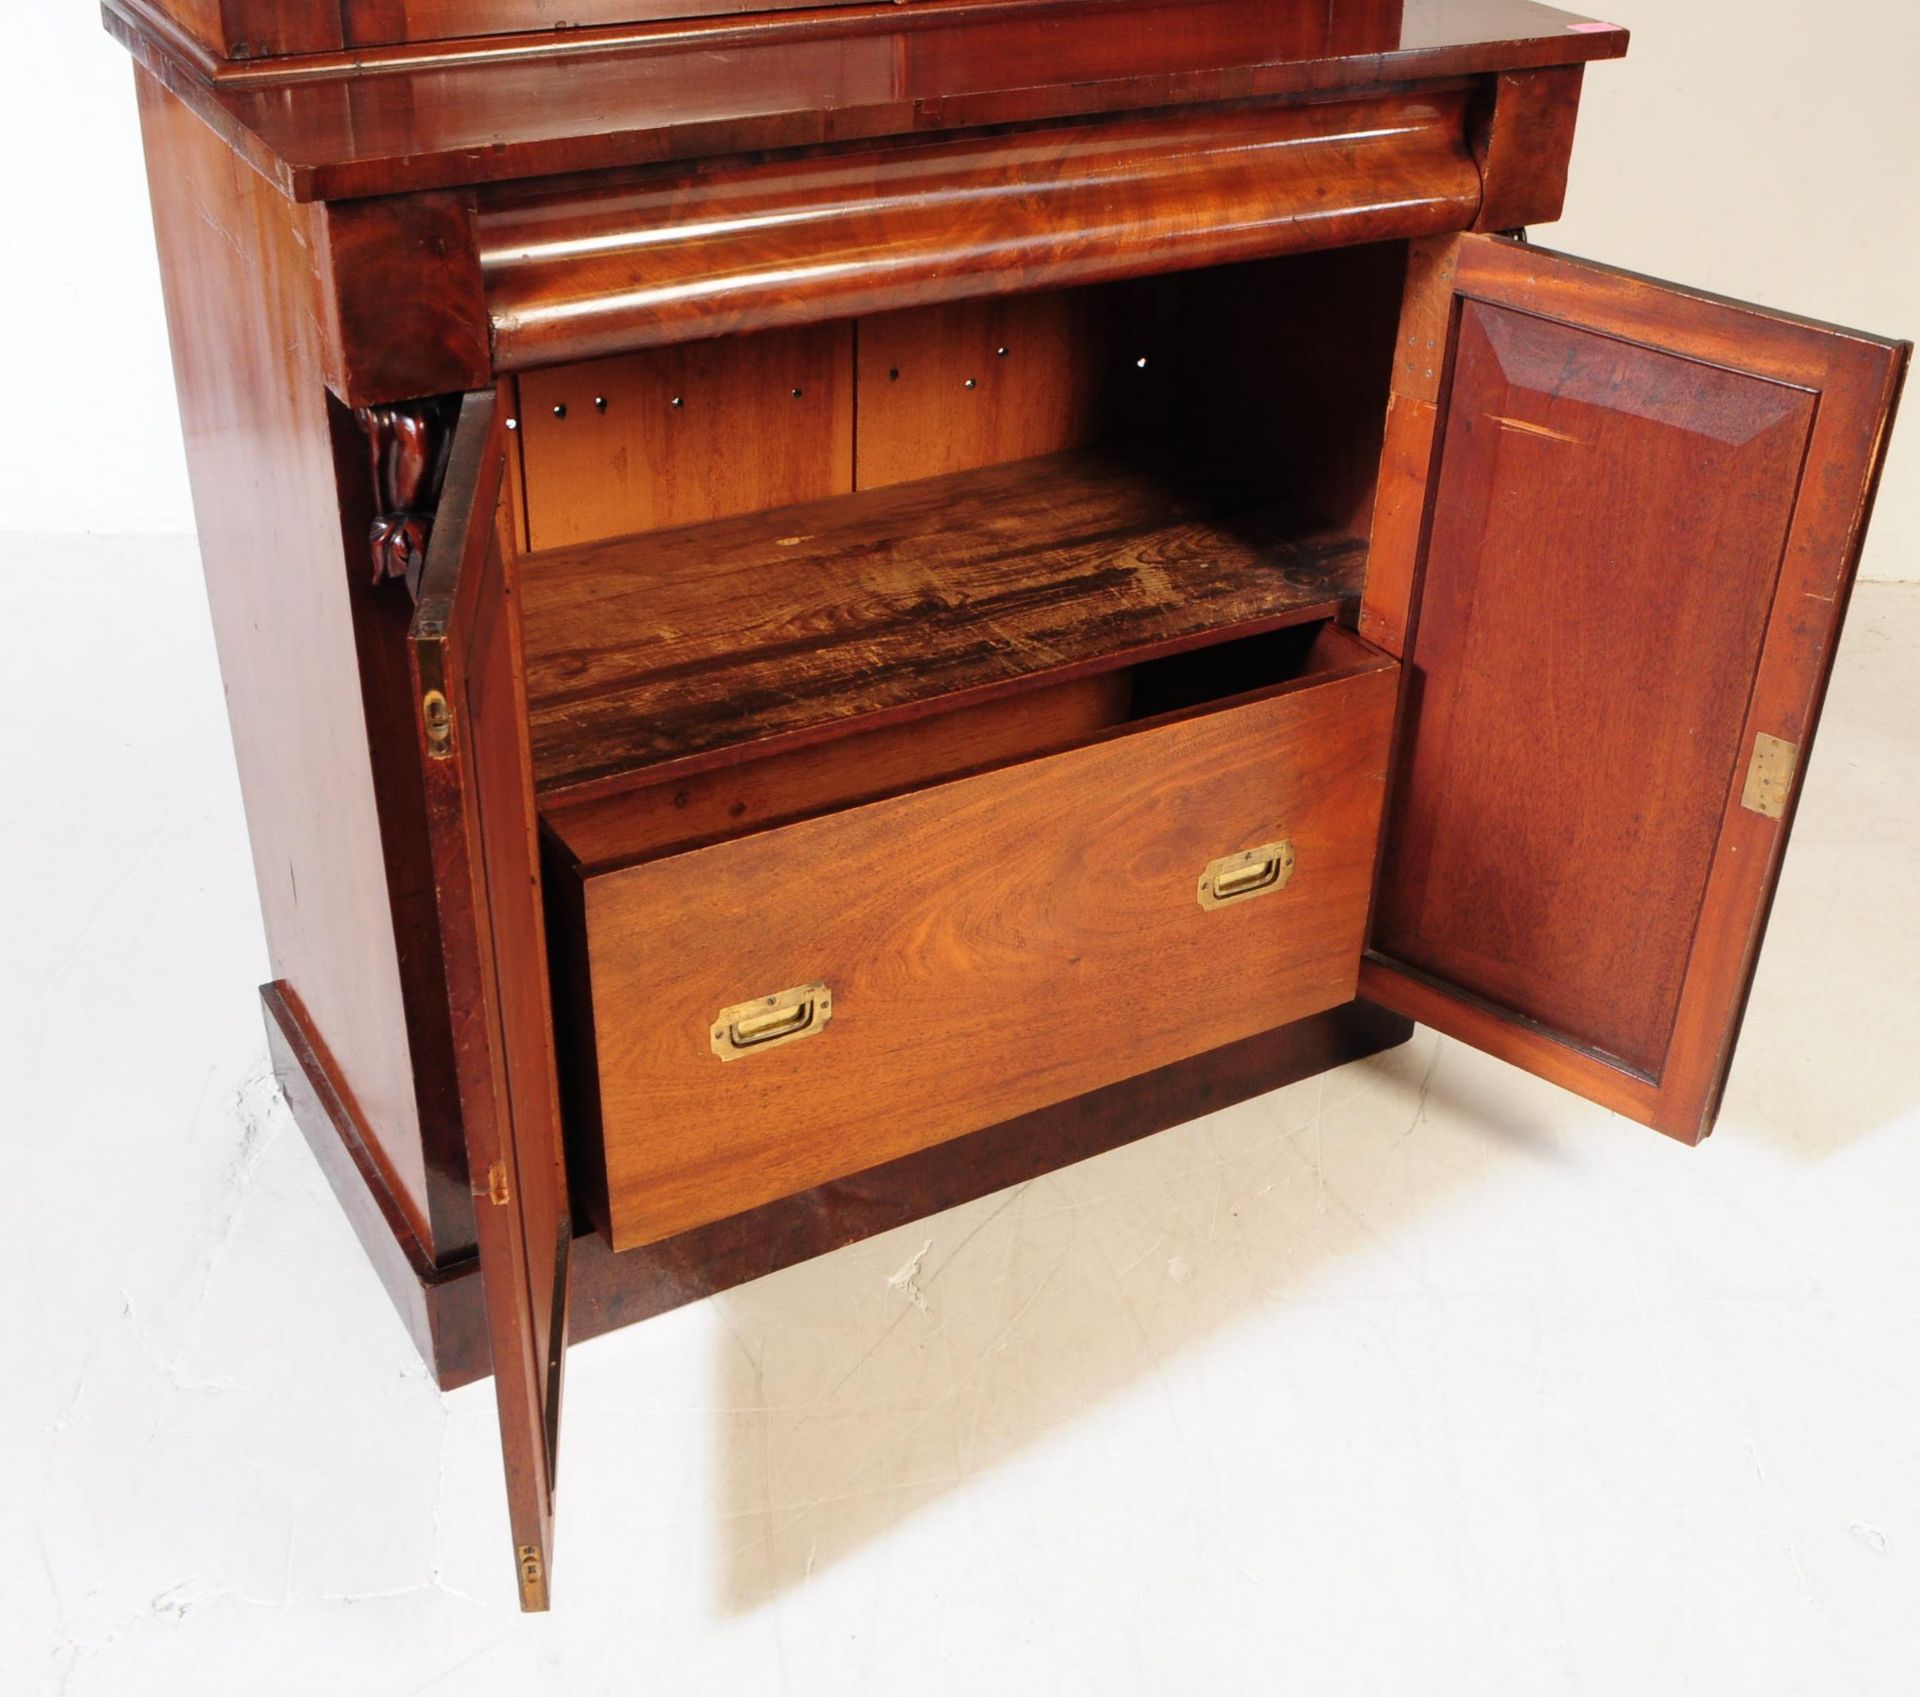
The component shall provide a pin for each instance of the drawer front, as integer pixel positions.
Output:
(944, 960)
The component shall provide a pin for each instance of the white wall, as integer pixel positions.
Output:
(1766, 151)
(89, 438)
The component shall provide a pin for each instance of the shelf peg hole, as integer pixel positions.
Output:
(599, 403)
(560, 409)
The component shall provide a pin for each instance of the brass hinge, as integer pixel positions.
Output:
(533, 1578)
(437, 717)
(497, 1192)
(1770, 776)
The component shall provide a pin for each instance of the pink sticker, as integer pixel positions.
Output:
(1589, 28)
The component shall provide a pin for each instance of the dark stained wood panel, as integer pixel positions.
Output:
(1587, 642)
(250, 30)
(1276, 373)
(1643, 527)
(373, 23)
(1523, 140)
(1351, 26)
(690, 642)
(587, 100)
(201, 19)
(400, 288)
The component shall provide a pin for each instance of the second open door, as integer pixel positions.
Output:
(1617, 526)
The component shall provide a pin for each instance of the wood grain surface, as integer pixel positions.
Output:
(991, 944)
(672, 436)
(465, 641)
(601, 832)
(1644, 523)
(690, 642)
(379, 121)
(237, 270)
(975, 383)
(576, 274)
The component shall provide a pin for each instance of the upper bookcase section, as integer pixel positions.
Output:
(341, 99)
(270, 29)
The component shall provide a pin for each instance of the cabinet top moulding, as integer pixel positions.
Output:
(396, 119)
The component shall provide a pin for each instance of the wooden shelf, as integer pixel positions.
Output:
(677, 647)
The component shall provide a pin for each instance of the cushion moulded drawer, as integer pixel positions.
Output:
(746, 1018)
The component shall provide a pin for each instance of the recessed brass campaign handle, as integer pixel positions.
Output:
(1251, 872)
(751, 1028)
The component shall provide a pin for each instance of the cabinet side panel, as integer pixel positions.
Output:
(237, 273)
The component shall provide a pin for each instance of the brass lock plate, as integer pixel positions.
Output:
(1250, 872)
(767, 1022)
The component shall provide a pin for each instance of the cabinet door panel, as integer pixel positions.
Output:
(470, 681)
(1643, 508)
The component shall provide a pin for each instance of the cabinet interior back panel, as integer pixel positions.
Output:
(679, 435)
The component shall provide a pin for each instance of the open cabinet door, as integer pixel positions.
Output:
(471, 689)
(1617, 526)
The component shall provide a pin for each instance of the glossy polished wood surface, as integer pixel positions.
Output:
(990, 944)
(718, 251)
(760, 630)
(400, 288)
(373, 23)
(1523, 139)
(245, 30)
(1644, 527)
(286, 584)
(582, 101)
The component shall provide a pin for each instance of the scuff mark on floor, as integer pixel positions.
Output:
(907, 1279)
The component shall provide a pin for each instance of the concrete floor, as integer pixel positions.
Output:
(1423, 1377)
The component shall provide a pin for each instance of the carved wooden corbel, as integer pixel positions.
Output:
(409, 443)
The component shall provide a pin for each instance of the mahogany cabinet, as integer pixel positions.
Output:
(829, 609)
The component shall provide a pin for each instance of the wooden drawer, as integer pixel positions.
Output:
(974, 948)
